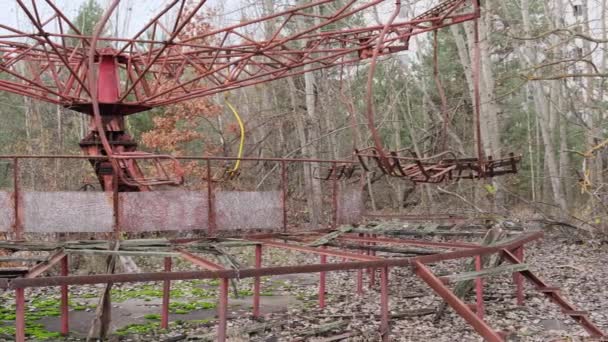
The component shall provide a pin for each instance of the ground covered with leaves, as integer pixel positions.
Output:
(290, 310)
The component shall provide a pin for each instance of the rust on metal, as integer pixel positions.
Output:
(46, 265)
(65, 327)
(443, 167)
(213, 270)
(91, 84)
(84, 77)
(164, 316)
(456, 303)
(200, 261)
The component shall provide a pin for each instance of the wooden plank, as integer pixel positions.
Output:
(21, 259)
(417, 232)
(388, 249)
(487, 272)
(123, 253)
(331, 236)
(44, 266)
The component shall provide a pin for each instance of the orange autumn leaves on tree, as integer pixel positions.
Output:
(181, 124)
(184, 123)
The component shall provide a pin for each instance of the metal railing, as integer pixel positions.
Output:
(330, 189)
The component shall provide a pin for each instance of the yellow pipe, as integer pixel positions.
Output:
(242, 128)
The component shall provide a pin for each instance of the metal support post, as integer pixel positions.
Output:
(384, 317)
(256, 282)
(65, 328)
(223, 311)
(164, 316)
(479, 288)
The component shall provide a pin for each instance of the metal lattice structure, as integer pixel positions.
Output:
(164, 65)
(110, 77)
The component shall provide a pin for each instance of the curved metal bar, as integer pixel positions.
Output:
(93, 85)
(370, 83)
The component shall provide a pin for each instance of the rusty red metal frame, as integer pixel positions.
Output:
(57, 66)
(178, 62)
(362, 261)
(439, 168)
(184, 66)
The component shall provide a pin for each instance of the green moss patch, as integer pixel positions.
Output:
(184, 308)
(144, 328)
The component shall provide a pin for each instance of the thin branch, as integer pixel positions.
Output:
(461, 198)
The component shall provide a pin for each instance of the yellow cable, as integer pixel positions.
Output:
(242, 127)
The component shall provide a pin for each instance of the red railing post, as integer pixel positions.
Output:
(360, 276)
(256, 282)
(322, 284)
(384, 318)
(65, 327)
(20, 315)
(164, 316)
(518, 279)
(479, 288)
(456, 303)
(223, 311)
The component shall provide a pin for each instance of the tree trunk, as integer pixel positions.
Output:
(543, 112)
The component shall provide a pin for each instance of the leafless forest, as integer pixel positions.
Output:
(518, 83)
(542, 90)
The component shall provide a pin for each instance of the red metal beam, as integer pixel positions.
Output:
(384, 311)
(20, 315)
(257, 282)
(518, 279)
(65, 325)
(410, 242)
(267, 271)
(322, 283)
(161, 276)
(199, 261)
(319, 251)
(456, 303)
(222, 311)
(45, 265)
(554, 295)
(360, 277)
(200, 69)
(512, 244)
(479, 288)
(164, 317)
